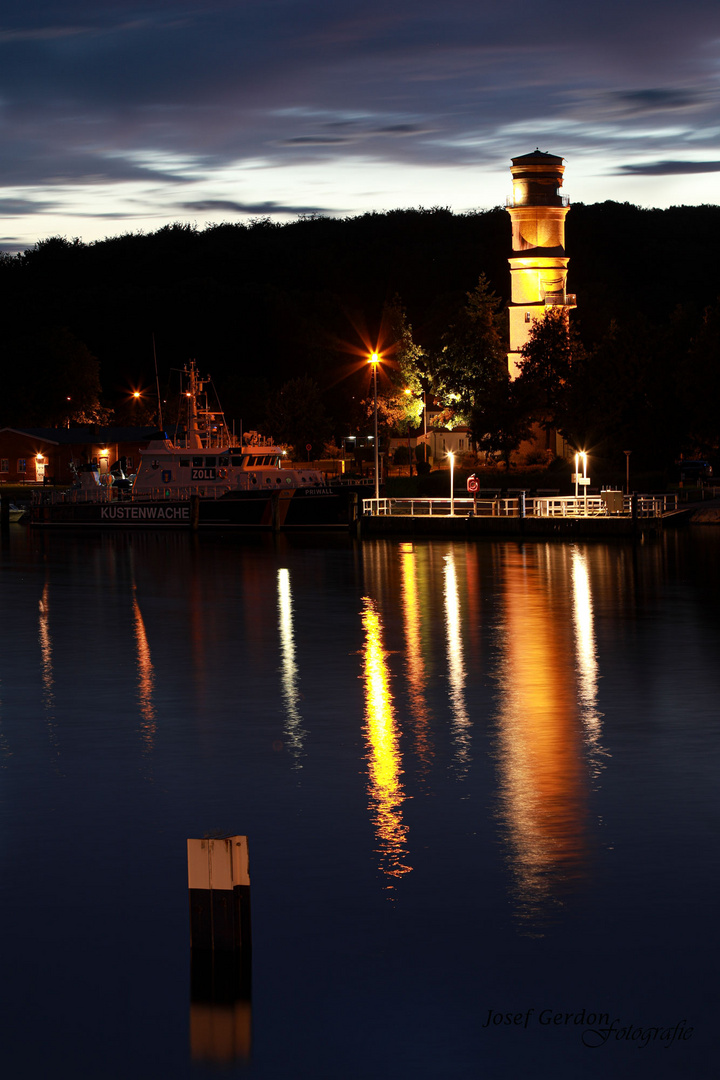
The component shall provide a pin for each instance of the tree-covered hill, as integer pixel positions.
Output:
(262, 303)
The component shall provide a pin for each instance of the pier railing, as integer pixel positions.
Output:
(556, 506)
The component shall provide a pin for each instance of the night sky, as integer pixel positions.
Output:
(123, 116)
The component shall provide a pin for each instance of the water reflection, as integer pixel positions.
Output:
(385, 788)
(587, 664)
(46, 657)
(294, 732)
(543, 778)
(145, 677)
(46, 665)
(414, 658)
(456, 665)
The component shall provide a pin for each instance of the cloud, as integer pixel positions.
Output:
(669, 168)
(315, 140)
(22, 207)
(97, 97)
(259, 208)
(655, 99)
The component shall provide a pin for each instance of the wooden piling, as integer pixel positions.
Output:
(219, 887)
(220, 957)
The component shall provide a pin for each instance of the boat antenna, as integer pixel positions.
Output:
(157, 384)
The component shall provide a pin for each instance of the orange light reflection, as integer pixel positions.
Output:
(146, 678)
(46, 648)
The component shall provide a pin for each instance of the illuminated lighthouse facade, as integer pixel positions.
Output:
(538, 265)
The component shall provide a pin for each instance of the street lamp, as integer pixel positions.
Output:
(452, 483)
(408, 393)
(375, 360)
(627, 454)
(583, 455)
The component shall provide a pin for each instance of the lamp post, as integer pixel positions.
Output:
(583, 455)
(408, 393)
(452, 483)
(627, 454)
(375, 360)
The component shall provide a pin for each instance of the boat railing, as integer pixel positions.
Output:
(73, 496)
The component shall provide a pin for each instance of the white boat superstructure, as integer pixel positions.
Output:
(217, 471)
(208, 464)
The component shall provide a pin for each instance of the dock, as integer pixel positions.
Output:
(557, 516)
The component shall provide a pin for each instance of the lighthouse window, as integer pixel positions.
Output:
(527, 316)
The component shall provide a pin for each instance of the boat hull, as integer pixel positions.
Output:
(300, 508)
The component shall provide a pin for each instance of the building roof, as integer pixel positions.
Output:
(537, 156)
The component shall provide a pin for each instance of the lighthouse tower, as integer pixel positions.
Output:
(538, 266)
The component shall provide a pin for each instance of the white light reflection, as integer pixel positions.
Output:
(294, 732)
(414, 663)
(587, 665)
(385, 788)
(456, 666)
(146, 678)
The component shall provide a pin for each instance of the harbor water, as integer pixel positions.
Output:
(479, 781)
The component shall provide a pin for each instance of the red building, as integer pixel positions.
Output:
(47, 455)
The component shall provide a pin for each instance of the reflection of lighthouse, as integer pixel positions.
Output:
(543, 777)
(538, 266)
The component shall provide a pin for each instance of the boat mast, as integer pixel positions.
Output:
(194, 440)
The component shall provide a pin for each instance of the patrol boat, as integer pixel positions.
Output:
(204, 480)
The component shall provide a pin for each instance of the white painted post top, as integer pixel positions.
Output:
(218, 863)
